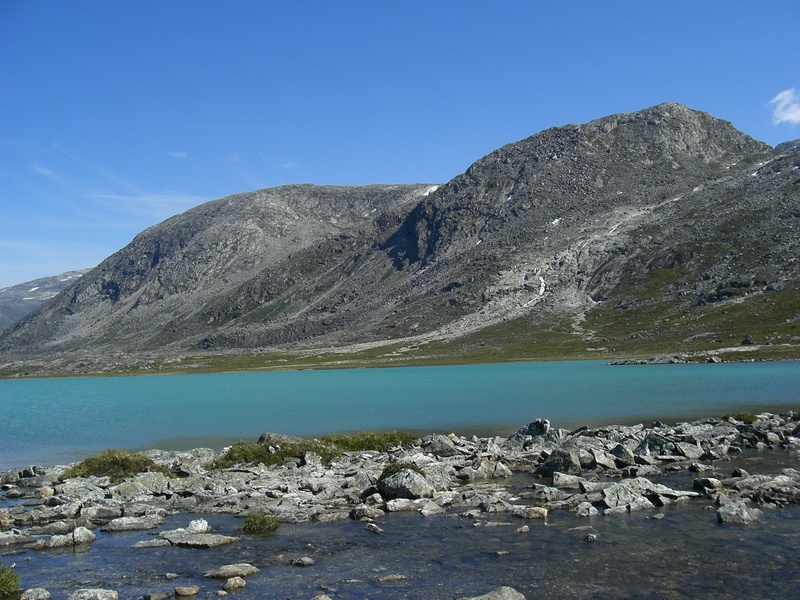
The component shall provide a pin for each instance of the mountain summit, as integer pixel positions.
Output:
(661, 227)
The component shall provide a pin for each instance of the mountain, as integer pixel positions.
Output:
(16, 301)
(659, 230)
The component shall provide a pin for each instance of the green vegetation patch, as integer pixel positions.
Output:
(394, 468)
(369, 440)
(257, 524)
(744, 417)
(328, 448)
(115, 464)
(9, 581)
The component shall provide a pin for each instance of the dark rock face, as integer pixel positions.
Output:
(664, 208)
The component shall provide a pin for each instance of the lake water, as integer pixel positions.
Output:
(53, 421)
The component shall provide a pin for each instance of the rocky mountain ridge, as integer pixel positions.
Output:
(660, 227)
(16, 301)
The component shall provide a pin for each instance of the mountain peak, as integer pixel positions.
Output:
(605, 230)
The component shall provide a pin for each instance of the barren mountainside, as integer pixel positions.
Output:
(664, 227)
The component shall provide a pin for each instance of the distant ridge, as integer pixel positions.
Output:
(18, 300)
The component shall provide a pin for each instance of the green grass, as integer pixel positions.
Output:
(115, 464)
(394, 468)
(328, 448)
(744, 417)
(9, 581)
(257, 524)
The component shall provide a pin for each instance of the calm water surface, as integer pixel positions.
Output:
(51, 421)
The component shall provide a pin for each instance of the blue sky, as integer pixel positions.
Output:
(117, 115)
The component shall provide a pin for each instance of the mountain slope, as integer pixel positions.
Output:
(16, 301)
(631, 231)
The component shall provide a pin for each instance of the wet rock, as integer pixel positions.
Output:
(79, 537)
(304, 561)
(737, 513)
(234, 583)
(372, 528)
(134, 523)
(631, 490)
(155, 543)
(35, 594)
(93, 594)
(363, 511)
(183, 591)
(197, 540)
(500, 593)
(234, 570)
(529, 512)
(707, 485)
(586, 509)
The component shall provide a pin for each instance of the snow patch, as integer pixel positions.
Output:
(430, 190)
(542, 286)
(33, 289)
(478, 243)
(555, 221)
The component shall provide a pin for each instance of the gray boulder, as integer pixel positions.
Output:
(405, 484)
(35, 594)
(235, 570)
(94, 594)
(134, 523)
(737, 513)
(563, 461)
(501, 593)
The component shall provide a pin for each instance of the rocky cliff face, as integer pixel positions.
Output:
(612, 226)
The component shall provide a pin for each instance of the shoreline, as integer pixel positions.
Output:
(536, 475)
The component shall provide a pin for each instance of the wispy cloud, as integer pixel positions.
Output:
(786, 107)
(37, 168)
(151, 206)
(177, 154)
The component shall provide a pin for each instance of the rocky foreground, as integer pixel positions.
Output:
(591, 472)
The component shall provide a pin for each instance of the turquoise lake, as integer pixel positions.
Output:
(53, 421)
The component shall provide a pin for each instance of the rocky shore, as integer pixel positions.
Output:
(590, 473)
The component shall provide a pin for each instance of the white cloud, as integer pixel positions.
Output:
(786, 107)
(177, 154)
(42, 170)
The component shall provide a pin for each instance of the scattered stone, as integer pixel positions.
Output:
(304, 561)
(737, 513)
(79, 537)
(500, 593)
(234, 570)
(197, 540)
(35, 594)
(93, 594)
(529, 512)
(392, 578)
(234, 583)
(373, 528)
(183, 591)
(154, 543)
(134, 523)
